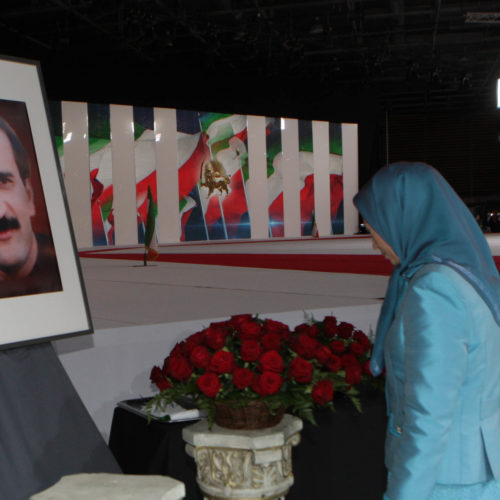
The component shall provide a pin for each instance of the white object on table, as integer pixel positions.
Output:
(176, 412)
(104, 486)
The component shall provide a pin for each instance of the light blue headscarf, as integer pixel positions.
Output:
(421, 217)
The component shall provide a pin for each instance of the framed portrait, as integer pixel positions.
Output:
(42, 294)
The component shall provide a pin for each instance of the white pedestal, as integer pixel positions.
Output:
(253, 464)
(102, 486)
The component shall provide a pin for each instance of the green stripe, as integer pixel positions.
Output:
(138, 130)
(97, 143)
(336, 146)
(106, 209)
(206, 119)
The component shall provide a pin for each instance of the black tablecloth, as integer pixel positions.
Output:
(340, 459)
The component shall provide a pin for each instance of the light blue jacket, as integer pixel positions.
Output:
(442, 356)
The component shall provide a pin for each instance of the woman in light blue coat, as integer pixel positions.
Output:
(438, 337)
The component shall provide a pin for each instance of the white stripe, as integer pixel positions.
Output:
(124, 187)
(257, 182)
(350, 153)
(77, 173)
(321, 158)
(291, 180)
(167, 175)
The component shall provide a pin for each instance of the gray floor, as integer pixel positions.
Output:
(124, 293)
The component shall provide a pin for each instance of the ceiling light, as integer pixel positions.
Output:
(482, 17)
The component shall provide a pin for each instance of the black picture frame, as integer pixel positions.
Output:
(40, 312)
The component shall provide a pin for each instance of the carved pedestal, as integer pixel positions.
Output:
(246, 465)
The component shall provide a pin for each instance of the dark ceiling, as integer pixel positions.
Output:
(261, 55)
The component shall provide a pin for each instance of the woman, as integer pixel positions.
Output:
(438, 336)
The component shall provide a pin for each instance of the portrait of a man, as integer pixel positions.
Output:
(28, 263)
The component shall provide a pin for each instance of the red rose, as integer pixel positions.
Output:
(271, 361)
(237, 319)
(209, 384)
(353, 374)
(249, 330)
(250, 350)
(163, 384)
(334, 364)
(331, 328)
(225, 326)
(301, 370)
(191, 342)
(348, 360)
(271, 341)
(322, 353)
(165, 366)
(215, 338)
(200, 357)
(357, 349)
(158, 378)
(366, 368)
(179, 368)
(269, 383)
(222, 362)
(322, 392)
(312, 330)
(304, 346)
(360, 337)
(156, 374)
(255, 385)
(178, 350)
(337, 346)
(242, 377)
(272, 326)
(302, 328)
(345, 330)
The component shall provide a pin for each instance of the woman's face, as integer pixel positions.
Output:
(380, 244)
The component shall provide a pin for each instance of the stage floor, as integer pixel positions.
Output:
(125, 293)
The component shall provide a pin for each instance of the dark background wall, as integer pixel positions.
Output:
(418, 77)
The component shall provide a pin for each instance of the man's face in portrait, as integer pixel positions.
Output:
(18, 248)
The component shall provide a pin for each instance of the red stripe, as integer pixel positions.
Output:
(357, 264)
(332, 263)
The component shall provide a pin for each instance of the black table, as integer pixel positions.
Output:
(340, 459)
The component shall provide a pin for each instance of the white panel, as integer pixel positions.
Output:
(124, 187)
(167, 176)
(351, 166)
(321, 156)
(257, 182)
(76, 172)
(291, 180)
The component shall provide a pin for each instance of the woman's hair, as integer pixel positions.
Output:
(20, 155)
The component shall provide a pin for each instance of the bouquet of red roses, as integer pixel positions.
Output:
(247, 358)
